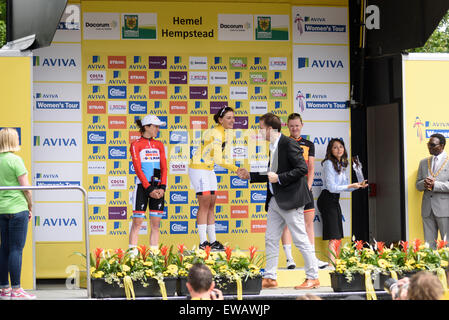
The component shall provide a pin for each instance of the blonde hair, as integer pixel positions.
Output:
(9, 140)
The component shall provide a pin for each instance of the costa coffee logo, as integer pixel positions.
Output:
(116, 62)
(96, 107)
(178, 107)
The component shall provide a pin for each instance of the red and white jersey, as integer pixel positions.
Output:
(147, 155)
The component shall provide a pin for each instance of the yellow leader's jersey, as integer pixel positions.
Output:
(213, 151)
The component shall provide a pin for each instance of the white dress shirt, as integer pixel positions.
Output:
(273, 147)
(437, 161)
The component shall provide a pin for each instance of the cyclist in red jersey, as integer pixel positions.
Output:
(150, 165)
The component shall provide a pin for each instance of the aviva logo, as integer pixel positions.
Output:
(304, 62)
(53, 62)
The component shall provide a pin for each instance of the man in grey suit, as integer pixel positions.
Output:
(433, 179)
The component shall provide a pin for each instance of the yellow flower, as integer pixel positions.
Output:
(383, 263)
(210, 261)
(119, 274)
(173, 269)
(188, 266)
(154, 251)
(126, 268)
(98, 274)
(148, 263)
(92, 270)
(149, 273)
(444, 263)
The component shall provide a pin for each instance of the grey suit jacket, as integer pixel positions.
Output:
(437, 199)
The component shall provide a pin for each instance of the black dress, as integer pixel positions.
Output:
(332, 219)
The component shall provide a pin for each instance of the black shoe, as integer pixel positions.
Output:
(217, 246)
(291, 264)
(203, 245)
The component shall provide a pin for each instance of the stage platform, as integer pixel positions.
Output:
(287, 279)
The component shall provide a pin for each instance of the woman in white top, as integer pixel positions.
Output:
(335, 181)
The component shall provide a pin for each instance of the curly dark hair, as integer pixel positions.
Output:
(338, 165)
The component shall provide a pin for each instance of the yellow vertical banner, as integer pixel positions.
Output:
(425, 94)
(15, 109)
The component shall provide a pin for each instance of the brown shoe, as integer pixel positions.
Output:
(269, 283)
(309, 284)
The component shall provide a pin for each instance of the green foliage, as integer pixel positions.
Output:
(439, 40)
(2, 22)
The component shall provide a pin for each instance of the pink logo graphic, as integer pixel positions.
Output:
(301, 100)
(418, 125)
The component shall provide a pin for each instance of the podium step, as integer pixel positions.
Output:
(293, 277)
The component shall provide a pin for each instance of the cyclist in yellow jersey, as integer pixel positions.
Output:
(202, 175)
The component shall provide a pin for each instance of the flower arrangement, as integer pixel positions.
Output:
(408, 256)
(113, 265)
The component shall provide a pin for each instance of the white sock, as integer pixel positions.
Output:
(202, 232)
(211, 233)
(288, 251)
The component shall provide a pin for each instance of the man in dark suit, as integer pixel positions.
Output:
(287, 194)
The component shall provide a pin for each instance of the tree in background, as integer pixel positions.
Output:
(2, 22)
(439, 40)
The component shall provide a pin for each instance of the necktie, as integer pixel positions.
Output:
(434, 168)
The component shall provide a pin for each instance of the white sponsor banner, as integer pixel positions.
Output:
(69, 28)
(258, 107)
(57, 174)
(96, 77)
(320, 64)
(218, 77)
(320, 133)
(117, 107)
(198, 63)
(240, 152)
(58, 62)
(96, 167)
(321, 101)
(278, 63)
(58, 222)
(117, 183)
(178, 167)
(259, 166)
(97, 228)
(101, 26)
(198, 77)
(96, 197)
(327, 25)
(57, 102)
(238, 93)
(235, 27)
(57, 142)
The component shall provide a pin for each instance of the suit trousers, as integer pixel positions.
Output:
(431, 225)
(277, 218)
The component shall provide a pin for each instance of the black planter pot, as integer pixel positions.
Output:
(101, 289)
(249, 286)
(339, 282)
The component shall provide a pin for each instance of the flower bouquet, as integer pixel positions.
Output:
(230, 268)
(118, 272)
